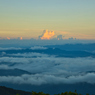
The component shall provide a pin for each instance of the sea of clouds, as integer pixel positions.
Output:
(47, 69)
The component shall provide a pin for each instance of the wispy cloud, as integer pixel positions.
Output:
(38, 47)
(11, 48)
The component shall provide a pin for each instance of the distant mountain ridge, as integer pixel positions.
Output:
(13, 72)
(53, 51)
(74, 47)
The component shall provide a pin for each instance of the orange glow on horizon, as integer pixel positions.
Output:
(8, 38)
(20, 38)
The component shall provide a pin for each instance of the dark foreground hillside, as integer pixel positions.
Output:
(10, 91)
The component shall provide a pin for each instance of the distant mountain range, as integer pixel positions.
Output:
(13, 72)
(74, 47)
(53, 51)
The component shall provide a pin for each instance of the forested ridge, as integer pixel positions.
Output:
(10, 91)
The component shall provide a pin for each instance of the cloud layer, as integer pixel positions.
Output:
(39, 79)
(48, 69)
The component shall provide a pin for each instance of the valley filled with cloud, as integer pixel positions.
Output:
(44, 66)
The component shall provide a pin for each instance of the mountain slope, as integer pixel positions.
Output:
(9, 91)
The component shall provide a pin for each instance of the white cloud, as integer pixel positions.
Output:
(39, 79)
(10, 48)
(28, 55)
(50, 64)
(38, 47)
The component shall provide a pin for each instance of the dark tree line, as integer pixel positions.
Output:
(10, 91)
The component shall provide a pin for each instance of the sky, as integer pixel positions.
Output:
(32, 18)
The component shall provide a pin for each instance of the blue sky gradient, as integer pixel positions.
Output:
(19, 17)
